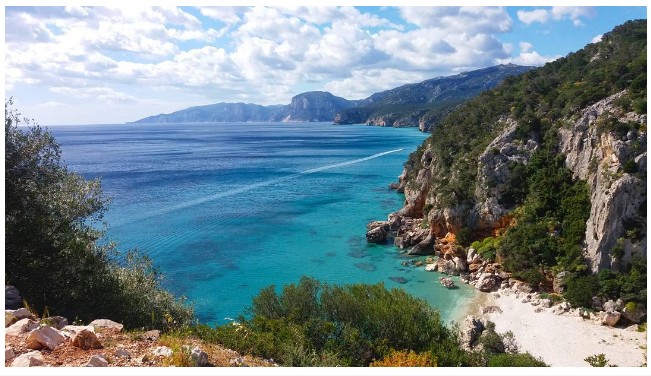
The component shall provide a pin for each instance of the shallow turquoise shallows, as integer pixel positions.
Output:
(226, 209)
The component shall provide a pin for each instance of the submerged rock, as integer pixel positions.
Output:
(447, 282)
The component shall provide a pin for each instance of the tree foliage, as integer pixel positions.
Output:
(53, 222)
(354, 324)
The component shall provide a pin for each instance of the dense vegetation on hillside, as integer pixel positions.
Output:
(52, 226)
(428, 101)
(317, 324)
(550, 208)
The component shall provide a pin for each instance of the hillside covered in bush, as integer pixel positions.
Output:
(549, 178)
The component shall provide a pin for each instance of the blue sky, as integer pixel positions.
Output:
(85, 65)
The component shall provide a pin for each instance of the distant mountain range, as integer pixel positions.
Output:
(422, 104)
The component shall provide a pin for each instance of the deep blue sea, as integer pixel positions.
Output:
(227, 209)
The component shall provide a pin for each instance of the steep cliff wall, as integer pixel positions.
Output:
(613, 162)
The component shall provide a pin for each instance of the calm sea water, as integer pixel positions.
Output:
(226, 209)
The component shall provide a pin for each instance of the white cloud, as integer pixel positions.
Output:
(102, 94)
(459, 19)
(227, 15)
(572, 13)
(525, 46)
(536, 15)
(254, 54)
(427, 49)
(51, 104)
(597, 38)
(365, 81)
(531, 58)
(557, 13)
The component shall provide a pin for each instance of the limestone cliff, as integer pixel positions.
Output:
(469, 178)
(593, 153)
(598, 156)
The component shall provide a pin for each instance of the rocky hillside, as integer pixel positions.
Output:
(31, 341)
(550, 175)
(310, 106)
(426, 103)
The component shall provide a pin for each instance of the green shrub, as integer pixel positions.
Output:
(580, 290)
(351, 324)
(464, 236)
(629, 167)
(515, 360)
(598, 360)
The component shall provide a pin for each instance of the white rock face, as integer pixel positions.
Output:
(30, 359)
(44, 337)
(20, 327)
(598, 156)
(493, 171)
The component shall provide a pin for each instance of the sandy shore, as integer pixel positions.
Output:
(562, 340)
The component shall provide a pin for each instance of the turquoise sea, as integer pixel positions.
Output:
(226, 209)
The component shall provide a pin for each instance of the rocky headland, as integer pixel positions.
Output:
(421, 105)
(466, 183)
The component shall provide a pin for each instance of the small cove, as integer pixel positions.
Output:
(227, 209)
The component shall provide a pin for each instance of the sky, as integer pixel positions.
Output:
(108, 65)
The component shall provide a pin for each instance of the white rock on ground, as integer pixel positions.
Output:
(44, 337)
(30, 359)
(97, 361)
(162, 351)
(70, 330)
(20, 327)
(566, 340)
(106, 324)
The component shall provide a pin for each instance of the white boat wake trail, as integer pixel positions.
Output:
(247, 188)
